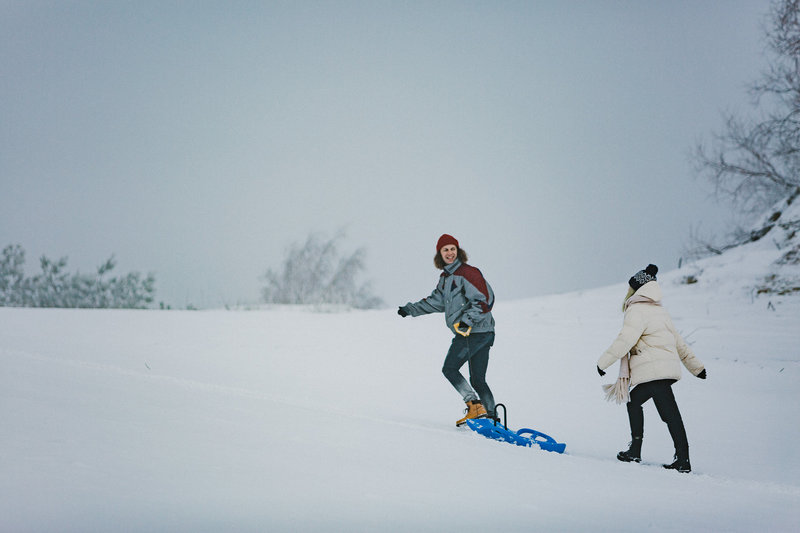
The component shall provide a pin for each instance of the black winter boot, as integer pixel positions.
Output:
(633, 453)
(681, 463)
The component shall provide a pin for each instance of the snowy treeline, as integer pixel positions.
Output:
(54, 287)
(315, 273)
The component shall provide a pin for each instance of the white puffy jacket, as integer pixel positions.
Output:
(655, 345)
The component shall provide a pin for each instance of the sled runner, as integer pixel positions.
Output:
(492, 429)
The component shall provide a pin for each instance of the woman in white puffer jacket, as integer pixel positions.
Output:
(654, 351)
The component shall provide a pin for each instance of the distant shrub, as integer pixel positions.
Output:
(689, 279)
(782, 286)
(54, 287)
(314, 273)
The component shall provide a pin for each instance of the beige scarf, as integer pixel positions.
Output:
(620, 390)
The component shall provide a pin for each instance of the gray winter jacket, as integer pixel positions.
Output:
(463, 295)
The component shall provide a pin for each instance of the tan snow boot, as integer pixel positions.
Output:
(475, 409)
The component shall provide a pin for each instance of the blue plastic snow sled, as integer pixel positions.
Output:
(523, 437)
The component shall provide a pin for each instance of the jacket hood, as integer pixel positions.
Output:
(650, 290)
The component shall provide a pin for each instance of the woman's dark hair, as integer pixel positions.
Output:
(439, 263)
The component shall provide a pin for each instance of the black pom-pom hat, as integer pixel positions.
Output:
(643, 276)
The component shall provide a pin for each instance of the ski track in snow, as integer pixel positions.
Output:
(239, 392)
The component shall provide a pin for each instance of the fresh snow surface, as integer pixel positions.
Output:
(288, 419)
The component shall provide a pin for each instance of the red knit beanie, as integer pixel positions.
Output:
(444, 240)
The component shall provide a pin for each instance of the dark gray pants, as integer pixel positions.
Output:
(474, 350)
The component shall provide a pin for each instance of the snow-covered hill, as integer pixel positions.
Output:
(293, 420)
(765, 259)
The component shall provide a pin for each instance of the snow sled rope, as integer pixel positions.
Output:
(490, 429)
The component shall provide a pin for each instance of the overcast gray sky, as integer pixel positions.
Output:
(198, 140)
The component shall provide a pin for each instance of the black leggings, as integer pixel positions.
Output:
(661, 393)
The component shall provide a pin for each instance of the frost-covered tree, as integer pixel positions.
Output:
(54, 287)
(755, 162)
(13, 290)
(314, 272)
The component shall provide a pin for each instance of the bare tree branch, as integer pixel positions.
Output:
(754, 163)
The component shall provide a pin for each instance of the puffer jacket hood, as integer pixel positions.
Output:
(656, 348)
(651, 290)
